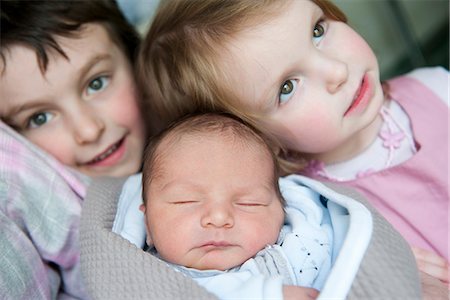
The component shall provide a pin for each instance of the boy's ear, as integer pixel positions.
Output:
(142, 208)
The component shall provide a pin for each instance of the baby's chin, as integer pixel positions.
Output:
(219, 262)
(214, 266)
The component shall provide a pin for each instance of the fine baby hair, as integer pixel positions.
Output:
(204, 124)
(213, 209)
(196, 213)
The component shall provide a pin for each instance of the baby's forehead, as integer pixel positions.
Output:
(196, 137)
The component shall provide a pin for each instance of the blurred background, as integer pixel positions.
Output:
(404, 34)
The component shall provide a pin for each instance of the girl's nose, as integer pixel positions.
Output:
(88, 128)
(337, 76)
(333, 71)
(218, 216)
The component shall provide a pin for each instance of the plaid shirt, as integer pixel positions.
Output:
(40, 208)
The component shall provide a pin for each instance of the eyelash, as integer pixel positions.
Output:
(183, 202)
(250, 204)
(29, 124)
(322, 27)
(293, 83)
(103, 79)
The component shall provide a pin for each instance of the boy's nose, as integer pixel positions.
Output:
(88, 129)
(218, 216)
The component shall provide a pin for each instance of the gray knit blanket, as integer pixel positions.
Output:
(114, 268)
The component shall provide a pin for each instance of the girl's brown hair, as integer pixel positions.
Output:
(178, 66)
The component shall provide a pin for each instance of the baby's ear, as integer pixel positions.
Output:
(148, 238)
(149, 241)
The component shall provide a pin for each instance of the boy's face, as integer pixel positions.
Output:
(212, 203)
(83, 110)
(302, 70)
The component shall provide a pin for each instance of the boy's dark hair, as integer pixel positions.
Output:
(36, 23)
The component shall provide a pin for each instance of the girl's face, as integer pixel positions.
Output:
(212, 203)
(314, 79)
(83, 110)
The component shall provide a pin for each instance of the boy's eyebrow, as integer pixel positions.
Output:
(88, 65)
(92, 62)
(17, 109)
(25, 106)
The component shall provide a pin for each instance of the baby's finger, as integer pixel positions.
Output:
(430, 257)
(433, 270)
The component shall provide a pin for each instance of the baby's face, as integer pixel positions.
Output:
(83, 110)
(212, 203)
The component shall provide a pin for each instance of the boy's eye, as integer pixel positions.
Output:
(287, 90)
(39, 119)
(97, 84)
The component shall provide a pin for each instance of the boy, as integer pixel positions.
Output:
(80, 91)
(66, 84)
(214, 210)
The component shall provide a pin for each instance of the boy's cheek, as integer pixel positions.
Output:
(125, 108)
(62, 151)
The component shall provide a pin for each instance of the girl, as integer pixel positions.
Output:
(297, 71)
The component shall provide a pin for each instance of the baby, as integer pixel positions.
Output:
(213, 209)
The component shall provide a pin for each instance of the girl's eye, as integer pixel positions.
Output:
(97, 85)
(39, 119)
(287, 90)
(318, 31)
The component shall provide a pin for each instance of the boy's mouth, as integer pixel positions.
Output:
(107, 153)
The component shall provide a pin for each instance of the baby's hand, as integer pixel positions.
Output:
(433, 289)
(432, 264)
(299, 292)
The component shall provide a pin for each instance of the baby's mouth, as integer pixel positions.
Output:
(106, 153)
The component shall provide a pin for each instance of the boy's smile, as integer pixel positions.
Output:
(83, 110)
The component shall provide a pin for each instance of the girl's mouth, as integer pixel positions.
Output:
(110, 156)
(361, 97)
